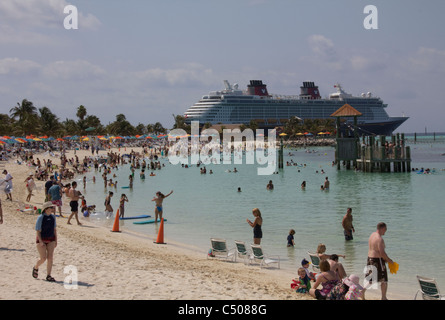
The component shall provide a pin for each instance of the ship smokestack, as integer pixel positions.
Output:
(309, 91)
(257, 88)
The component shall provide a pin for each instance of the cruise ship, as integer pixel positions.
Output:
(234, 106)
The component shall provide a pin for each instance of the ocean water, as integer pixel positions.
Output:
(203, 206)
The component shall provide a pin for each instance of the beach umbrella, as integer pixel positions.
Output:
(2, 142)
(60, 139)
(37, 139)
(20, 140)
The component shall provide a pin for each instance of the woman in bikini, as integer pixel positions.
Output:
(158, 200)
(328, 280)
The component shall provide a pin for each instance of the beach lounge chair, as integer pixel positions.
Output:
(241, 251)
(315, 261)
(428, 289)
(219, 250)
(264, 260)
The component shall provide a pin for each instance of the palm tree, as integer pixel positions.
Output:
(158, 128)
(26, 116)
(81, 112)
(121, 126)
(49, 123)
(180, 123)
(5, 124)
(70, 127)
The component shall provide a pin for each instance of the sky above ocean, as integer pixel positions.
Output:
(151, 59)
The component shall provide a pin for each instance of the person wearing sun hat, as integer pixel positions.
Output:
(355, 289)
(46, 239)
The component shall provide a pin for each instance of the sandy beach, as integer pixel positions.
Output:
(118, 265)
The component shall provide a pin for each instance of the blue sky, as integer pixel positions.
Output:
(150, 59)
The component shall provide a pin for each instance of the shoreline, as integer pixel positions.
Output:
(123, 265)
(126, 265)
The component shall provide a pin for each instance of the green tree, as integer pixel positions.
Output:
(49, 123)
(180, 123)
(121, 126)
(5, 124)
(26, 117)
(70, 127)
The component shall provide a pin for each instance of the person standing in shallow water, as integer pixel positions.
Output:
(159, 200)
(256, 225)
(348, 228)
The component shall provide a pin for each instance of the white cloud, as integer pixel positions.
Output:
(26, 14)
(325, 53)
(370, 63)
(15, 66)
(427, 60)
(73, 70)
(189, 74)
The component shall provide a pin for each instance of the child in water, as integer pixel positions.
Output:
(290, 238)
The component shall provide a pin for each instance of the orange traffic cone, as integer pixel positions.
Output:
(160, 239)
(116, 222)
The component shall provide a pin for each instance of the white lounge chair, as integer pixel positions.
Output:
(315, 261)
(219, 250)
(428, 289)
(241, 251)
(264, 260)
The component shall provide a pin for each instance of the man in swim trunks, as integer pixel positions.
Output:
(348, 228)
(377, 258)
(74, 203)
(158, 200)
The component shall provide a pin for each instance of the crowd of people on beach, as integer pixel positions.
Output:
(333, 279)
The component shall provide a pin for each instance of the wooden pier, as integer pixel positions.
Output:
(372, 154)
(381, 156)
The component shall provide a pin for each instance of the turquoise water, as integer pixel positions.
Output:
(208, 205)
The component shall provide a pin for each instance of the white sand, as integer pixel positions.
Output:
(120, 265)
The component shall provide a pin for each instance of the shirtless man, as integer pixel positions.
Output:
(74, 203)
(347, 225)
(377, 258)
(158, 209)
(326, 184)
